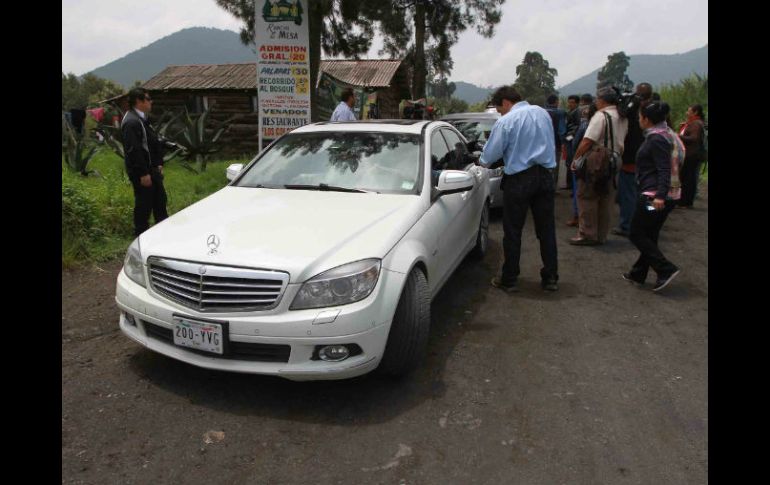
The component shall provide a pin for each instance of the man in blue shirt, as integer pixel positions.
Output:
(344, 110)
(524, 138)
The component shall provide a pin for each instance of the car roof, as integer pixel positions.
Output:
(386, 126)
(471, 116)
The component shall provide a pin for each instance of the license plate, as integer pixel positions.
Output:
(203, 336)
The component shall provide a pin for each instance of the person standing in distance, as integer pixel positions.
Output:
(573, 123)
(594, 194)
(344, 110)
(524, 138)
(144, 161)
(559, 119)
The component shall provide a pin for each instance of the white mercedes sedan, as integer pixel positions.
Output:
(319, 260)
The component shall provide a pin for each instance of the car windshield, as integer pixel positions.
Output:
(347, 161)
(474, 130)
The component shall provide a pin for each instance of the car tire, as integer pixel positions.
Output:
(482, 237)
(408, 337)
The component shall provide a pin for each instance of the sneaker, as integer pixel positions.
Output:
(628, 277)
(663, 282)
(581, 241)
(550, 285)
(620, 232)
(497, 282)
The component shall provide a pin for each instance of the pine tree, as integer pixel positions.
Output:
(423, 32)
(535, 79)
(614, 73)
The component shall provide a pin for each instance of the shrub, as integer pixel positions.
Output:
(78, 222)
(689, 91)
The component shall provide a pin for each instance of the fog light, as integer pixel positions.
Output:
(333, 353)
(129, 319)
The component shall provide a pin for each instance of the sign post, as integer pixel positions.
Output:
(283, 66)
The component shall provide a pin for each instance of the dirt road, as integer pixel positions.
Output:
(600, 382)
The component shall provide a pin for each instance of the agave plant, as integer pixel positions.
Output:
(198, 141)
(77, 153)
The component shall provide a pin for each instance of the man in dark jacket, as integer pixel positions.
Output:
(559, 120)
(573, 123)
(144, 161)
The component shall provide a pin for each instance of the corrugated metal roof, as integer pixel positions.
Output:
(205, 76)
(364, 73)
(374, 73)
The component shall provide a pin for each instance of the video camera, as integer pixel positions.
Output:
(628, 103)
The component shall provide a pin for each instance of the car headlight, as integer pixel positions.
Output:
(133, 266)
(338, 286)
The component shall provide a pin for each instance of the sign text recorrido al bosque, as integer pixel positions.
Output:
(283, 66)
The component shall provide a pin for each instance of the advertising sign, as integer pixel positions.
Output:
(283, 66)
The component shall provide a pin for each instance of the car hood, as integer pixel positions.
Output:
(302, 232)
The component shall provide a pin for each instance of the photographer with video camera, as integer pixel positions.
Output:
(144, 161)
(627, 191)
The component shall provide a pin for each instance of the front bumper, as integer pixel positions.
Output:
(365, 323)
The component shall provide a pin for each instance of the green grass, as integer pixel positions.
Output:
(97, 211)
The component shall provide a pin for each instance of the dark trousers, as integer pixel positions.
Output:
(567, 163)
(689, 177)
(148, 200)
(555, 171)
(530, 189)
(628, 194)
(645, 229)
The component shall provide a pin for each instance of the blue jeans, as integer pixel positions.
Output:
(627, 199)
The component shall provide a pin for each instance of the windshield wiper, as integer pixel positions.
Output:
(259, 186)
(325, 187)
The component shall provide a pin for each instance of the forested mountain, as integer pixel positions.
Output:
(654, 69)
(196, 45)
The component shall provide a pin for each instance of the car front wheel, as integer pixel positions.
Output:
(409, 331)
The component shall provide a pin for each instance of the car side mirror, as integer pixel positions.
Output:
(454, 181)
(233, 171)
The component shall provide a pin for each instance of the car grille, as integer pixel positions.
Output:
(236, 350)
(213, 288)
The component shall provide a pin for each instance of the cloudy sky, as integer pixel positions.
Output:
(575, 36)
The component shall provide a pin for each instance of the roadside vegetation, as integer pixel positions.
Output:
(97, 210)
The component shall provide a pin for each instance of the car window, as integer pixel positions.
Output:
(439, 155)
(439, 152)
(474, 130)
(379, 162)
(458, 155)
